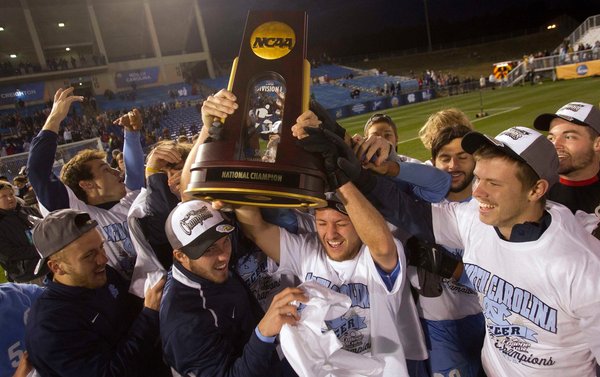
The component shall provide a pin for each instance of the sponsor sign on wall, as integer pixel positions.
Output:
(142, 76)
(27, 92)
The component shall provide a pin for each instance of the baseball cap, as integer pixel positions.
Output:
(523, 144)
(579, 113)
(193, 226)
(334, 202)
(57, 230)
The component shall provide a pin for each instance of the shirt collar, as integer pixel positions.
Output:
(529, 230)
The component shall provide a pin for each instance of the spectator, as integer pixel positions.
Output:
(87, 181)
(18, 256)
(67, 136)
(84, 323)
(25, 191)
(223, 333)
(114, 154)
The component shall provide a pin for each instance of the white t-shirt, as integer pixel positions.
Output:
(540, 298)
(112, 224)
(456, 301)
(408, 323)
(369, 326)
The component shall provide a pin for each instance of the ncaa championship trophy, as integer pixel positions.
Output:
(252, 157)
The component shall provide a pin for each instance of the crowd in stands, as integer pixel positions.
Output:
(568, 54)
(8, 68)
(81, 125)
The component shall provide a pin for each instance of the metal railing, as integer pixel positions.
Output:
(590, 23)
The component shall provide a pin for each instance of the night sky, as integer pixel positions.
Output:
(354, 27)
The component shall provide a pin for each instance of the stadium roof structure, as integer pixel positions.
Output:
(119, 29)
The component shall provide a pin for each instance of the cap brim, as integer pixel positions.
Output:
(197, 247)
(40, 267)
(543, 121)
(472, 141)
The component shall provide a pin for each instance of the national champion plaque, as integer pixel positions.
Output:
(255, 159)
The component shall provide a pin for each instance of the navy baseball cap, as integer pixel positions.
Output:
(523, 144)
(57, 230)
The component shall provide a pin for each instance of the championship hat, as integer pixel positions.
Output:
(193, 226)
(57, 230)
(523, 144)
(579, 113)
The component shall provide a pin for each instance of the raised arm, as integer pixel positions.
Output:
(51, 192)
(424, 181)
(221, 105)
(265, 235)
(370, 226)
(133, 154)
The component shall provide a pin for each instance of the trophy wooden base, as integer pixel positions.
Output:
(242, 188)
(251, 185)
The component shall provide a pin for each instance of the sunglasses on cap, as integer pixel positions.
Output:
(379, 117)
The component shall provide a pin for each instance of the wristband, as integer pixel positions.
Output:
(151, 170)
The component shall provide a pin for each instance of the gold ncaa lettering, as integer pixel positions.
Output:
(272, 40)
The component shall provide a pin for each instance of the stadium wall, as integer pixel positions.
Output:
(382, 103)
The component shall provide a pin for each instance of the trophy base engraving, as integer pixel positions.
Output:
(251, 185)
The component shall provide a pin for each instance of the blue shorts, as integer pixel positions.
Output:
(455, 346)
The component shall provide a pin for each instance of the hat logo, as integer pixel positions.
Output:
(194, 218)
(515, 133)
(574, 107)
(225, 228)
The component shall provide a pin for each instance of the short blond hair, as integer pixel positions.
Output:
(439, 120)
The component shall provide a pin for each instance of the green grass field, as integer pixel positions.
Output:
(506, 107)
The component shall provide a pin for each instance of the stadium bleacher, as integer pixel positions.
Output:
(332, 71)
(184, 118)
(145, 97)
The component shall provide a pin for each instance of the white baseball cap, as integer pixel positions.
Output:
(523, 144)
(194, 226)
(579, 113)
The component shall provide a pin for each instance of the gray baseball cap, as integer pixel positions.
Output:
(523, 144)
(57, 230)
(580, 113)
(194, 226)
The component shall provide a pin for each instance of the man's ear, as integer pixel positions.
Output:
(538, 190)
(180, 256)
(55, 266)
(87, 184)
(596, 145)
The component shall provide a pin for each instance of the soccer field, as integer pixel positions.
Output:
(506, 107)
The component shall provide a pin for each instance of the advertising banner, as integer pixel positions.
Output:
(578, 70)
(27, 92)
(142, 76)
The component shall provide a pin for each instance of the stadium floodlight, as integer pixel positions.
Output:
(61, 24)
(68, 49)
(13, 56)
